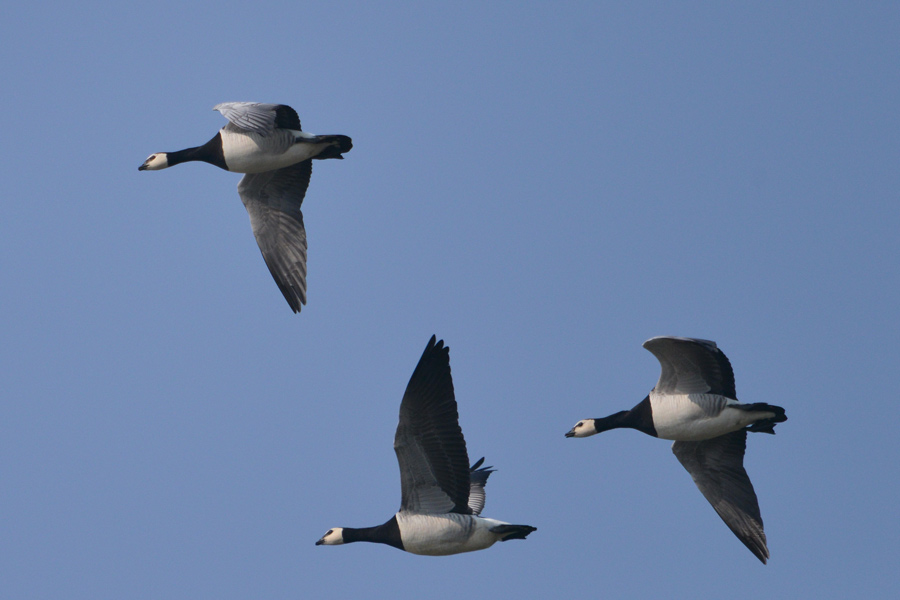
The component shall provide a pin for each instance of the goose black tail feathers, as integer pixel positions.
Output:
(765, 425)
(340, 145)
(513, 532)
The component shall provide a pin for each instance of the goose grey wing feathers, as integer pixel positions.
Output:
(691, 366)
(717, 468)
(477, 480)
(259, 118)
(431, 450)
(273, 200)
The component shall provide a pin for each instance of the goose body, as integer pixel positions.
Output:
(251, 152)
(695, 417)
(266, 143)
(694, 403)
(441, 495)
(451, 533)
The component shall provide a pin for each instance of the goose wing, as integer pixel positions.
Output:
(691, 366)
(717, 467)
(431, 450)
(273, 200)
(259, 118)
(477, 480)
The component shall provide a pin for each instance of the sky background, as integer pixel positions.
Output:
(544, 186)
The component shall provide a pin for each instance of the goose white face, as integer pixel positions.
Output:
(332, 537)
(583, 429)
(155, 162)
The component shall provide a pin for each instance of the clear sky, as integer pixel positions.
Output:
(544, 186)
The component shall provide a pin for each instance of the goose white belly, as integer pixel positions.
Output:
(248, 152)
(696, 417)
(438, 535)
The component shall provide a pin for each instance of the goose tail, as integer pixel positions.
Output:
(512, 532)
(764, 425)
(338, 145)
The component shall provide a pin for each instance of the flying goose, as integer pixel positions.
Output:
(694, 403)
(441, 495)
(265, 142)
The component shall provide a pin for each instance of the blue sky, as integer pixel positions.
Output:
(544, 186)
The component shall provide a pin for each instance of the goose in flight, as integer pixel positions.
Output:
(441, 495)
(265, 142)
(694, 403)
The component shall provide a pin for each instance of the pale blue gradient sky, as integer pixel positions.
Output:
(544, 186)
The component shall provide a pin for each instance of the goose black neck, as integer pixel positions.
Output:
(210, 152)
(640, 417)
(388, 533)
